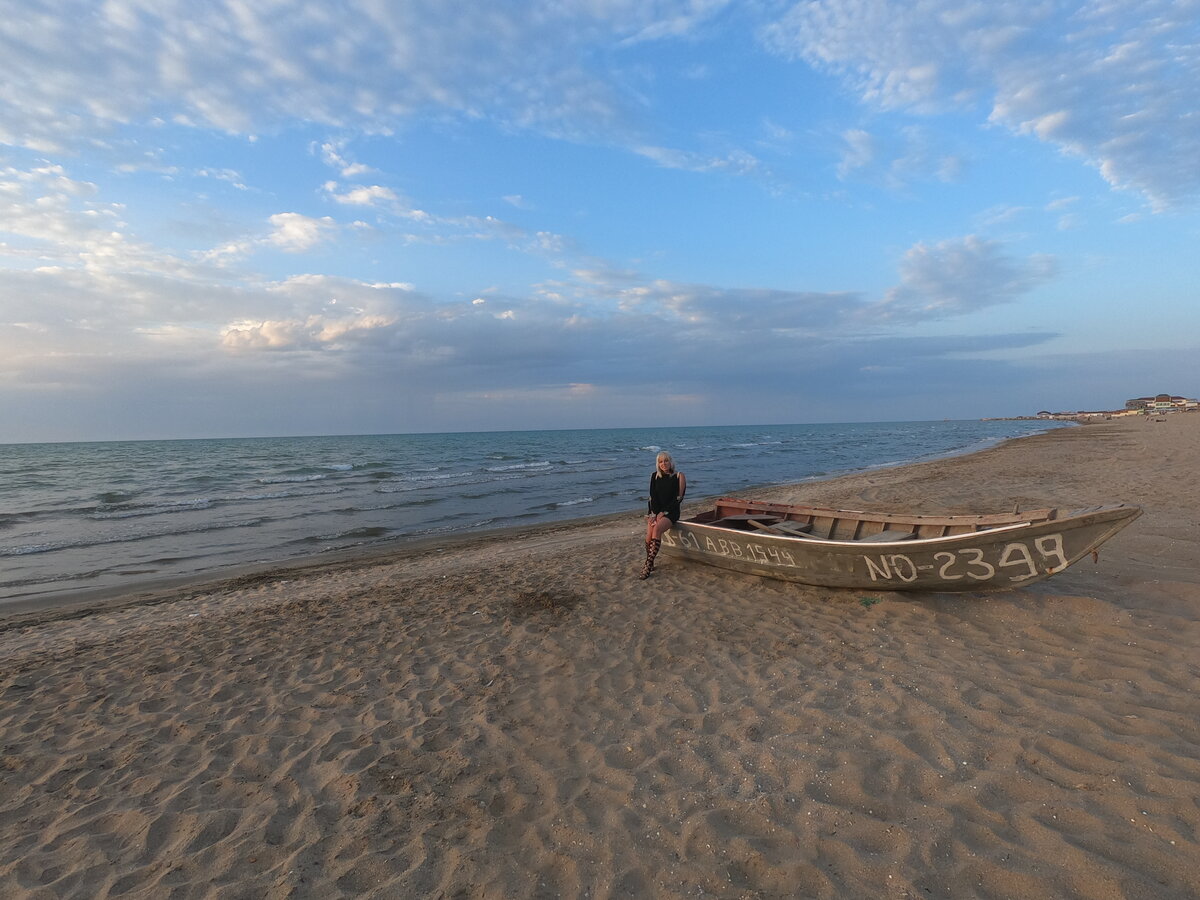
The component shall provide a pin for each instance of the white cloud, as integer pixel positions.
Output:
(332, 153)
(736, 162)
(290, 232)
(296, 233)
(367, 195)
(1061, 203)
(858, 151)
(227, 175)
(1001, 215)
(94, 292)
(1111, 83)
(240, 67)
(936, 281)
(591, 323)
(719, 313)
(295, 334)
(382, 198)
(611, 329)
(911, 156)
(959, 276)
(56, 221)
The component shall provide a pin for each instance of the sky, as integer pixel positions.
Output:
(266, 217)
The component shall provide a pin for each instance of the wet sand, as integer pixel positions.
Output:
(521, 717)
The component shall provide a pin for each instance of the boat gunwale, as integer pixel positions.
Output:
(768, 507)
(858, 543)
(1000, 531)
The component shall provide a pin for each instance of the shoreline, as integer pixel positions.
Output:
(145, 564)
(52, 606)
(78, 603)
(523, 717)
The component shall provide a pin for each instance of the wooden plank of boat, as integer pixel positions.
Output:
(785, 527)
(893, 551)
(891, 534)
(758, 520)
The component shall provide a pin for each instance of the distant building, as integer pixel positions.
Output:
(1138, 406)
(1162, 403)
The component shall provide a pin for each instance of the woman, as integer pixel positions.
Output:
(667, 488)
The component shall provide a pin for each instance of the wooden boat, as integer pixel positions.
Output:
(895, 552)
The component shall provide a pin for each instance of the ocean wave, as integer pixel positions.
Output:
(561, 504)
(465, 479)
(366, 532)
(55, 546)
(360, 507)
(137, 511)
(290, 479)
(8, 520)
(153, 509)
(50, 581)
(459, 527)
(116, 498)
(485, 495)
(283, 495)
(543, 464)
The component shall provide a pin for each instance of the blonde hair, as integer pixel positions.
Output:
(663, 454)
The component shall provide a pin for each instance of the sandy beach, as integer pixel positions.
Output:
(522, 717)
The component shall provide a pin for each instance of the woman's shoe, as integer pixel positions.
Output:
(651, 552)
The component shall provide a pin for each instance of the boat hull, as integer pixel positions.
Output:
(1002, 557)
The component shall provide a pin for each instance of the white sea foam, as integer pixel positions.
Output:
(544, 464)
(284, 495)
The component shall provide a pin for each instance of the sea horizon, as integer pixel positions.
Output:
(114, 514)
(377, 434)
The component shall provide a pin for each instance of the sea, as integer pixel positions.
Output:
(116, 515)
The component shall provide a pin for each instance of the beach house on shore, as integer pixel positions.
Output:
(1138, 406)
(1162, 403)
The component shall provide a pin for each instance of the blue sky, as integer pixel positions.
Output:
(264, 217)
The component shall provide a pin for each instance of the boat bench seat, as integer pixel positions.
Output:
(791, 528)
(758, 520)
(892, 534)
(788, 528)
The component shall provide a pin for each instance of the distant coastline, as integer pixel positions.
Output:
(1151, 405)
